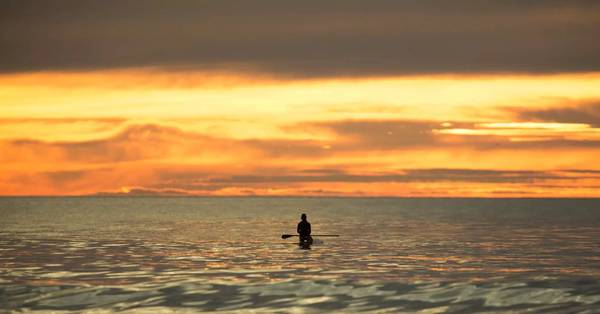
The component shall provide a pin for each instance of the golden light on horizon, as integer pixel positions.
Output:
(85, 131)
(138, 93)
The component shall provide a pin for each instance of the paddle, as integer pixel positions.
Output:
(285, 236)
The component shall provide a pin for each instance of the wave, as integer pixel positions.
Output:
(542, 295)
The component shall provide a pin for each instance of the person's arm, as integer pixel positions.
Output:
(309, 231)
(298, 229)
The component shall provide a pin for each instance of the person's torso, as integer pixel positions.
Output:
(304, 228)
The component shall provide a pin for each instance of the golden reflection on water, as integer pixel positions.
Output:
(131, 261)
(382, 255)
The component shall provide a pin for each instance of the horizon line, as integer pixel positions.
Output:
(299, 196)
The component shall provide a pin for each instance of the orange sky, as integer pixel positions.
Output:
(339, 97)
(205, 132)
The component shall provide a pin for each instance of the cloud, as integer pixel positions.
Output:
(338, 182)
(152, 142)
(378, 134)
(134, 143)
(588, 112)
(76, 181)
(155, 142)
(372, 156)
(152, 180)
(140, 191)
(360, 135)
(306, 39)
(579, 171)
(407, 175)
(59, 177)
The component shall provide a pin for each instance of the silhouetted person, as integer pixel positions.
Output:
(304, 231)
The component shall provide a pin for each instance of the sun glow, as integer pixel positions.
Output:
(565, 127)
(156, 131)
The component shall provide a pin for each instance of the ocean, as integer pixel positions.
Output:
(226, 254)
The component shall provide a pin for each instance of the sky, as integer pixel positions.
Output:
(319, 98)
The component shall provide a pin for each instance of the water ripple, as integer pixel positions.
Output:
(193, 255)
(543, 295)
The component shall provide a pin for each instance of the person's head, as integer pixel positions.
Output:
(303, 217)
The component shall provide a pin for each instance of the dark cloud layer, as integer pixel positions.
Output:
(408, 175)
(588, 113)
(383, 134)
(305, 38)
(151, 141)
(368, 135)
(145, 192)
(196, 182)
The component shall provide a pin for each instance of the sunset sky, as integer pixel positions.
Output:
(343, 97)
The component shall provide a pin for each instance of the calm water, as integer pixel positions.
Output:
(226, 254)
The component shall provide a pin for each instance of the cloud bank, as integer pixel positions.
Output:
(365, 157)
(303, 39)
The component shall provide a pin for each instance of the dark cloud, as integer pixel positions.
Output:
(67, 179)
(201, 183)
(321, 171)
(551, 144)
(63, 180)
(66, 175)
(145, 192)
(408, 175)
(382, 134)
(586, 171)
(155, 142)
(305, 38)
(516, 192)
(285, 148)
(152, 141)
(190, 187)
(588, 113)
(356, 135)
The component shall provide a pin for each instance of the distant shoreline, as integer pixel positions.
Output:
(301, 196)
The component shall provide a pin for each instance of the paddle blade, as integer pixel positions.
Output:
(285, 236)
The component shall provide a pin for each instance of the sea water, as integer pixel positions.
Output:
(179, 254)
